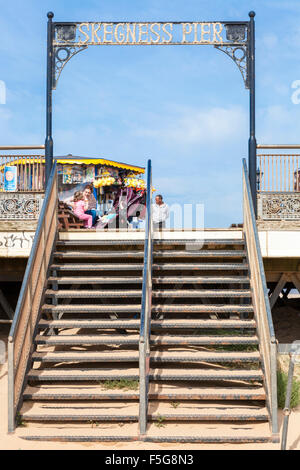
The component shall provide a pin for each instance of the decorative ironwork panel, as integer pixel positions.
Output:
(279, 206)
(16, 206)
(239, 55)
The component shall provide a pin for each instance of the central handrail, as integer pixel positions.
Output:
(145, 328)
(262, 310)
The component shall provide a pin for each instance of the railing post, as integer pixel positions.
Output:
(252, 139)
(49, 139)
(11, 386)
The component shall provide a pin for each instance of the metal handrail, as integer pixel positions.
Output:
(278, 146)
(27, 296)
(262, 308)
(145, 328)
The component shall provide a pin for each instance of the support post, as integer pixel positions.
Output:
(287, 405)
(49, 140)
(252, 164)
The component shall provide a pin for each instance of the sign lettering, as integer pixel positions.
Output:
(86, 34)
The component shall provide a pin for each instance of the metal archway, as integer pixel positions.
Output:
(234, 38)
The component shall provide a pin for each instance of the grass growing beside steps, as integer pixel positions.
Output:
(122, 384)
(282, 379)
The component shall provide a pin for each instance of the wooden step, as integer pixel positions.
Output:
(157, 254)
(194, 432)
(89, 374)
(123, 411)
(136, 308)
(98, 254)
(200, 266)
(156, 267)
(157, 391)
(91, 308)
(205, 433)
(97, 267)
(182, 340)
(96, 280)
(87, 339)
(156, 280)
(155, 356)
(155, 324)
(80, 293)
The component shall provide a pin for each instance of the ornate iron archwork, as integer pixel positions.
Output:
(238, 51)
(62, 54)
(232, 38)
(60, 60)
(235, 38)
(240, 60)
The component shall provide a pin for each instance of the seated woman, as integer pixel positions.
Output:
(79, 206)
(89, 199)
(91, 202)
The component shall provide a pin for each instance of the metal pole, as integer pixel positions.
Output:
(287, 405)
(252, 165)
(49, 140)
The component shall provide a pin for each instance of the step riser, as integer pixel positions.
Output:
(95, 418)
(173, 439)
(177, 360)
(205, 324)
(155, 377)
(166, 397)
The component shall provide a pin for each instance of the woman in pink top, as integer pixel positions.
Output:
(79, 207)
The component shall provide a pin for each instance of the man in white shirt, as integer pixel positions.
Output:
(160, 213)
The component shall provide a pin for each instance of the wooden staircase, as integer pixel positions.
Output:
(206, 378)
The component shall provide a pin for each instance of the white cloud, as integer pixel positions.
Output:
(279, 124)
(213, 126)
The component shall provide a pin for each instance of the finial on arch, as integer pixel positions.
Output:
(251, 14)
(50, 14)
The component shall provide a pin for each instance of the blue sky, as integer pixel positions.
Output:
(185, 107)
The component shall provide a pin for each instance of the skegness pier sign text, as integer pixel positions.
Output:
(149, 33)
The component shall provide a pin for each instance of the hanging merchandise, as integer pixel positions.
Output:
(104, 181)
(67, 174)
(77, 174)
(90, 174)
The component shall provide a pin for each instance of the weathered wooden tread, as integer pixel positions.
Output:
(157, 254)
(156, 392)
(86, 374)
(96, 267)
(159, 308)
(156, 280)
(157, 324)
(138, 293)
(87, 339)
(155, 267)
(96, 280)
(155, 356)
(182, 340)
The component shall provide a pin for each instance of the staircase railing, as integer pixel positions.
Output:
(262, 308)
(145, 329)
(30, 299)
